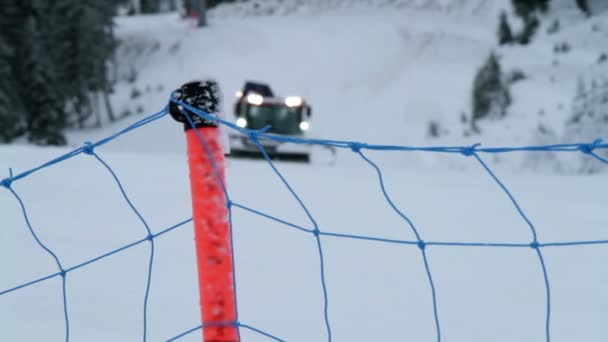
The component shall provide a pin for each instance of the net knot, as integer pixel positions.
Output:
(534, 245)
(88, 148)
(356, 146)
(254, 136)
(588, 148)
(469, 151)
(7, 182)
(421, 244)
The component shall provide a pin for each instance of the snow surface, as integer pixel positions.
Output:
(378, 74)
(375, 76)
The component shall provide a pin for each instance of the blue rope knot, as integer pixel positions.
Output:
(229, 204)
(254, 137)
(316, 232)
(356, 147)
(588, 148)
(469, 151)
(62, 273)
(421, 244)
(7, 183)
(534, 245)
(88, 148)
(150, 237)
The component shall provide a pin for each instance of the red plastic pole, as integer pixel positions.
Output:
(212, 236)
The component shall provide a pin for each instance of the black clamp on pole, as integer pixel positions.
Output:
(204, 95)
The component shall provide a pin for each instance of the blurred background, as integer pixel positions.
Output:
(382, 71)
(391, 72)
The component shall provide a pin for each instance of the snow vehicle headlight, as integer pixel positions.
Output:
(304, 126)
(241, 122)
(293, 101)
(238, 94)
(255, 99)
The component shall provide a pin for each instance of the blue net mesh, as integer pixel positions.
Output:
(148, 237)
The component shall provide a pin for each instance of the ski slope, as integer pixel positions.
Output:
(362, 71)
(375, 76)
(378, 75)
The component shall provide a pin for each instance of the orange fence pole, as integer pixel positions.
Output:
(210, 214)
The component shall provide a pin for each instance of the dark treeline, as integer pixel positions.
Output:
(53, 64)
(54, 61)
(526, 8)
(155, 6)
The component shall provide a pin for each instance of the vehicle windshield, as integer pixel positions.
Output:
(283, 119)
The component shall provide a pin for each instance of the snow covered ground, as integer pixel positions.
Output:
(377, 291)
(375, 76)
(378, 75)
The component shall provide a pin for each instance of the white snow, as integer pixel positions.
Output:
(375, 76)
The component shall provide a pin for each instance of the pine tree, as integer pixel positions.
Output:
(94, 26)
(542, 5)
(53, 58)
(531, 24)
(505, 36)
(11, 117)
(583, 5)
(213, 3)
(526, 10)
(523, 8)
(43, 105)
(85, 43)
(149, 6)
(589, 120)
(491, 95)
(12, 112)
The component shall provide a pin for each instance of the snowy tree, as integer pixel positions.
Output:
(542, 5)
(522, 8)
(145, 6)
(505, 36)
(491, 95)
(87, 43)
(11, 118)
(589, 120)
(149, 6)
(54, 58)
(531, 24)
(213, 3)
(583, 5)
(12, 121)
(525, 8)
(42, 102)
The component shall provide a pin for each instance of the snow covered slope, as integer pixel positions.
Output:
(376, 76)
(374, 71)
